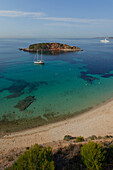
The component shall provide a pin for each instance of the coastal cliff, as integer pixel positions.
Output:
(50, 47)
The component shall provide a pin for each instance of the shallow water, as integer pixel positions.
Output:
(68, 83)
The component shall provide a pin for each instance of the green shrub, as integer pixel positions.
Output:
(79, 139)
(93, 156)
(108, 136)
(67, 137)
(99, 137)
(35, 158)
(93, 137)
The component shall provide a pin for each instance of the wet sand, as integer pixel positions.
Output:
(98, 121)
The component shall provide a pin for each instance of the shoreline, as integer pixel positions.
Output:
(54, 50)
(97, 121)
(21, 125)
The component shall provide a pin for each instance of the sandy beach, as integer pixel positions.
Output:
(98, 121)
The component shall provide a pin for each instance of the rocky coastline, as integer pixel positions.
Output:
(50, 47)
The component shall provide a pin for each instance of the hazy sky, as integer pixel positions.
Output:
(56, 18)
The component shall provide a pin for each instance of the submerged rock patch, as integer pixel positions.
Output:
(18, 87)
(35, 85)
(25, 103)
(14, 95)
(87, 78)
(107, 75)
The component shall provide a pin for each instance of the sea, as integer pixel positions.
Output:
(68, 84)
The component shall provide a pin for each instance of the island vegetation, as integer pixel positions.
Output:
(50, 47)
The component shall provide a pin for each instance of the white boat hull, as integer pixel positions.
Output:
(38, 62)
(104, 41)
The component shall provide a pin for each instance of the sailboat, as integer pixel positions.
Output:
(104, 41)
(39, 61)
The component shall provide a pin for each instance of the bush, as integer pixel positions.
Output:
(108, 136)
(93, 137)
(35, 158)
(93, 156)
(99, 137)
(79, 139)
(67, 137)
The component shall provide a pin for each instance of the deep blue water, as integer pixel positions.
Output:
(68, 82)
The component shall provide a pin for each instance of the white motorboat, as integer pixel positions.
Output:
(104, 41)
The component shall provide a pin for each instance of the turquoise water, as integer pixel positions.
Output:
(68, 83)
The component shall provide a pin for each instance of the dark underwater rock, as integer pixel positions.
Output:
(25, 103)
(107, 75)
(87, 78)
(17, 88)
(14, 95)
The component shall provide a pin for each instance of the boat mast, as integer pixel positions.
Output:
(41, 55)
(37, 55)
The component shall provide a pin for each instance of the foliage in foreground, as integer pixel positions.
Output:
(35, 158)
(93, 155)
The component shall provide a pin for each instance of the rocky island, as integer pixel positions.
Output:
(50, 47)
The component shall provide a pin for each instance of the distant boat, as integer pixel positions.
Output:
(104, 41)
(37, 61)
